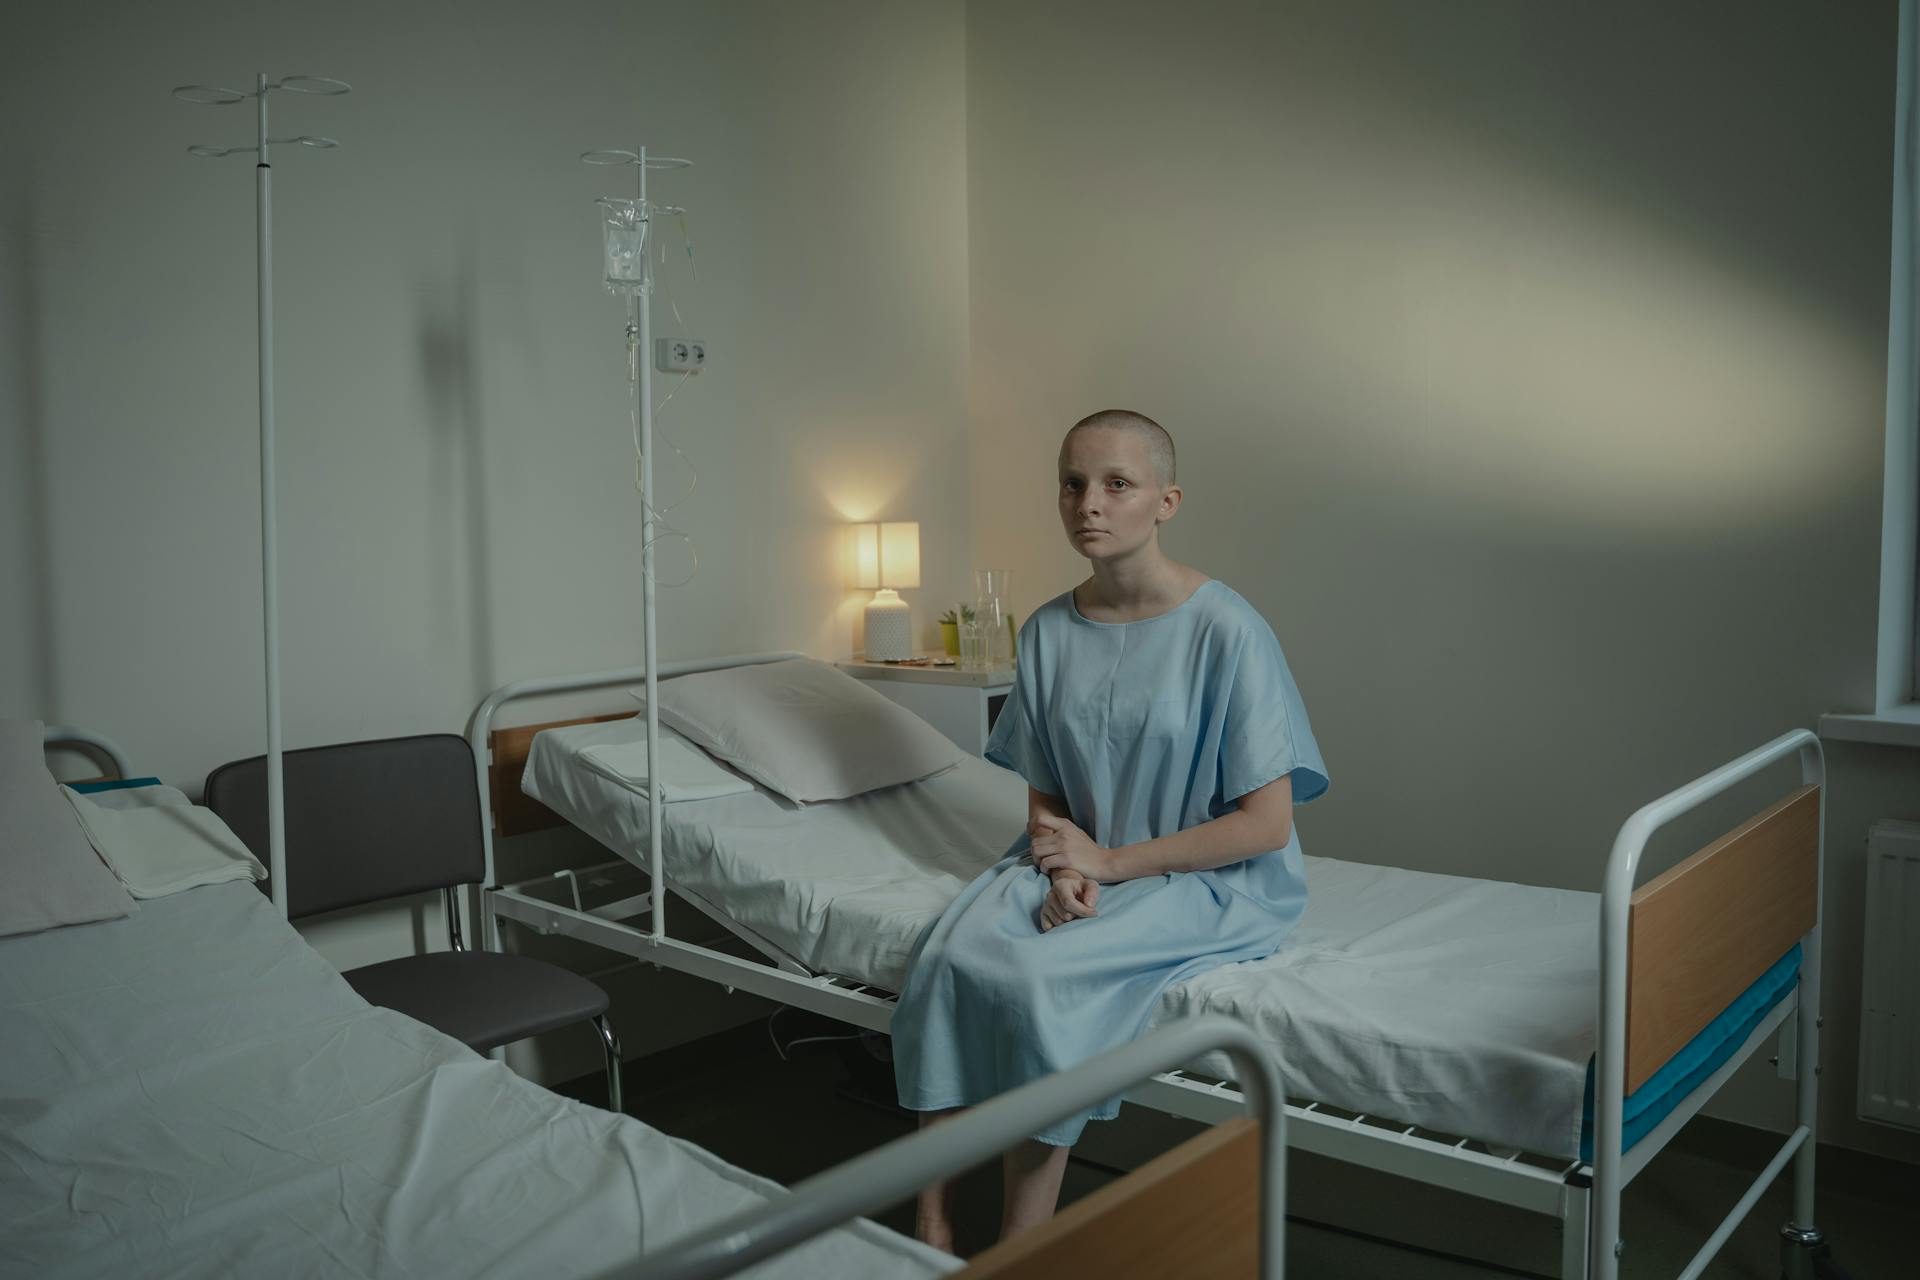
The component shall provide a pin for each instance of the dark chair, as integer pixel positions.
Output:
(367, 821)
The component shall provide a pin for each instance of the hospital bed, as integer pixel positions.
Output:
(1531, 1046)
(192, 1090)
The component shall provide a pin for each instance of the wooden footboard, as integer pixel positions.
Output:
(1193, 1212)
(1703, 932)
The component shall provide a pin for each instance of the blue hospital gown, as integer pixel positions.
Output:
(1146, 728)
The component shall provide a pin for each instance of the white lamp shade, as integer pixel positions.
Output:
(900, 554)
(864, 556)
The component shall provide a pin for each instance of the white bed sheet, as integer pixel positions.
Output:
(192, 1091)
(843, 886)
(1460, 1005)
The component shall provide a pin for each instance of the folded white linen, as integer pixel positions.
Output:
(165, 848)
(686, 772)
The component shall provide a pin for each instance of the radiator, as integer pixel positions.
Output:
(1890, 986)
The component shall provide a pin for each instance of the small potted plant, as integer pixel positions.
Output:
(950, 629)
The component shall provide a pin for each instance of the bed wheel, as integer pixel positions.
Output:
(1804, 1255)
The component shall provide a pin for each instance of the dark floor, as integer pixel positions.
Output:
(787, 1120)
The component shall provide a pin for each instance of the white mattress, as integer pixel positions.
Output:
(1465, 1006)
(192, 1091)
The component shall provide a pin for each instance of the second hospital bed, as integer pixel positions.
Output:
(192, 1090)
(1440, 1027)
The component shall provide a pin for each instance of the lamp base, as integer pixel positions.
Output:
(889, 628)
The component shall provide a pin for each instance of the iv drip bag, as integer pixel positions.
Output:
(623, 226)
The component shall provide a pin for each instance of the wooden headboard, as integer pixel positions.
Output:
(1703, 932)
(514, 811)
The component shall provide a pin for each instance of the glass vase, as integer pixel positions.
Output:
(992, 599)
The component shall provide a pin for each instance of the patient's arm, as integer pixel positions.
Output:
(1261, 821)
(1073, 896)
(1041, 805)
(1039, 802)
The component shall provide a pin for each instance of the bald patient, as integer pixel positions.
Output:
(1164, 745)
(1151, 435)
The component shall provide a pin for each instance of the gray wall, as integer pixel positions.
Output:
(456, 499)
(1527, 368)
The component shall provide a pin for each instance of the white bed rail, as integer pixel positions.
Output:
(101, 748)
(888, 1175)
(480, 728)
(1610, 1068)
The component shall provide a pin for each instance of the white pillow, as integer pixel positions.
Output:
(686, 773)
(163, 848)
(805, 730)
(48, 875)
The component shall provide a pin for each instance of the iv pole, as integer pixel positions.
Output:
(640, 378)
(635, 218)
(208, 95)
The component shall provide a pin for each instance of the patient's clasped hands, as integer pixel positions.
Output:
(1072, 897)
(1059, 846)
(1076, 865)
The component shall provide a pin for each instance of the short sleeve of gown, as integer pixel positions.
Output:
(1019, 740)
(1266, 734)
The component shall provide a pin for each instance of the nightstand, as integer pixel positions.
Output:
(961, 704)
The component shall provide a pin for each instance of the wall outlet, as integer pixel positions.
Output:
(679, 355)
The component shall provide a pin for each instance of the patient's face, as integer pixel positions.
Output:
(1110, 499)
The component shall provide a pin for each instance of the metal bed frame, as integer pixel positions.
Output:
(1583, 1196)
(103, 750)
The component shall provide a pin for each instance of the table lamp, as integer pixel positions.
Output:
(886, 557)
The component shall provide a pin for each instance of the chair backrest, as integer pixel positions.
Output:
(365, 820)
